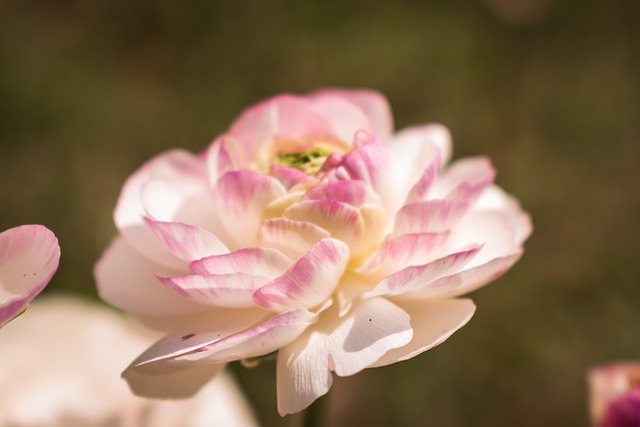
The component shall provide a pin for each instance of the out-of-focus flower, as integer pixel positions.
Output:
(29, 256)
(309, 229)
(615, 395)
(60, 366)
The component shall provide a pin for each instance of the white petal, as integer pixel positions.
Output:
(186, 241)
(263, 262)
(432, 322)
(293, 238)
(166, 381)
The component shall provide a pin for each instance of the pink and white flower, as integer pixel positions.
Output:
(29, 257)
(615, 395)
(310, 229)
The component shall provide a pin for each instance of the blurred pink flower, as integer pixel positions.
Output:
(309, 229)
(615, 395)
(59, 367)
(29, 256)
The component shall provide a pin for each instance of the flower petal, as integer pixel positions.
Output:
(353, 193)
(128, 280)
(264, 262)
(289, 176)
(373, 104)
(166, 381)
(429, 216)
(233, 290)
(218, 159)
(346, 119)
(346, 345)
(464, 179)
(310, 281)
(432, 323)
(173, 166)
(241, 197)
(186, 241)
(415, 277)
(29, 256)
(293, 238)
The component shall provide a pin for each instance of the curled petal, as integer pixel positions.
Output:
(175, 168)
(121, 267)
(310, 281)
(218, 290)
(429, 216)
(345, 345)
(186, 241)
(264, 262)
(373, 104)
(415, 277)
(432, 323)
(241, 197)
(290, 176)
(293, 238)
(464, 179)
(29, 256)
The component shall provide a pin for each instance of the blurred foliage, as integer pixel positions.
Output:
(549, 90)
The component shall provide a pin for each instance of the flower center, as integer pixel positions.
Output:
(308, 159)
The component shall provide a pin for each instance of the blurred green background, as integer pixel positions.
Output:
(550, 90)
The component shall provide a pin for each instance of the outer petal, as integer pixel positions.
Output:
(241, 197)
(345, 344)
(373, 104)
(432, 322)
(29, 256)
(310, 281)
(219, 159)
(186, 241)
(464, 179)
(169, 381)
(429, 216)
(177, 167)
(346, 119)
(127, 280)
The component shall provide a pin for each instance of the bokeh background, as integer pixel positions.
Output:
(550, 90)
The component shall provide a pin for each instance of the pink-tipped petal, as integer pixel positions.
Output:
(345, 119)
(467, 280)
(432, 323)
(29, 257)
(353, 193)
(264, 262)
(429, 216)
(175, 166)
(165, 381)
(415, 277)
(310, 281)
(290, 176)
(405, 250)
(232, 290)
(186, 241)
(218, 159)
(373, 104)
(264, 338)
(128, 280)
(423, 185)
(293, 238)
(344, 222)
(464, 179)
(346, 344)
(241, 197)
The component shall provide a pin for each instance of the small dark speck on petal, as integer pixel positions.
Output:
(35, 274)
(369, 320)
(186, 337)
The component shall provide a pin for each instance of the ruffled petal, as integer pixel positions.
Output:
(128, 280)
(175, 168)
(353, 193)
(429, 216)
(264, 262)
(310, 281)
(29, 257)
(241, 197)
(373, 104)
(186, 241)
(464, 179)
(432, 323)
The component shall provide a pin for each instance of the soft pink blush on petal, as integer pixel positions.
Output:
(241, 197)
(346, 119)
(432, 323)
(29, 257)
(464, 179)
(373, 104)
(345, 345)
(353, 193)
(293, 238)
(175, 165)
(186, 241)
(310, 281)
(429, 216)
(264, 262)
(121, 267)
(218, 159)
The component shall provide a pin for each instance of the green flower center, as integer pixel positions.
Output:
(308, 160)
